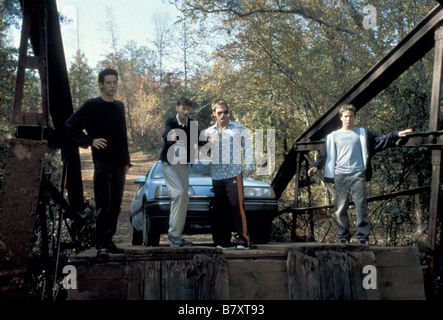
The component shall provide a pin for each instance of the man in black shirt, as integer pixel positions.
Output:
(103, 119)
(181, 141)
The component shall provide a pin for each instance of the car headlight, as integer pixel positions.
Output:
(258, 192)
(162, 191)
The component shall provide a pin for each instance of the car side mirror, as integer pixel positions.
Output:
(140, 180)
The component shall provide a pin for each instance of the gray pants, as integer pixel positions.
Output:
(177, 181)
(354, 184)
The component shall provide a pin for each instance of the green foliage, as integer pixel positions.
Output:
(289, 61)
(9, 13)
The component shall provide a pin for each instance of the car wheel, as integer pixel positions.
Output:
(137, 237)
(151, 238)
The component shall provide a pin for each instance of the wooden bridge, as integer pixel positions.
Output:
(287, 271)
(290, 271)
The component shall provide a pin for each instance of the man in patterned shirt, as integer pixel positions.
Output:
(227, 139)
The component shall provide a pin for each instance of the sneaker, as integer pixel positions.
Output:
(112, 248)
(175, 241)
(102, 253)
(226, 246)
(178, 242)
(363, 242)
(242, 247)
(344, 241)
(186, 243)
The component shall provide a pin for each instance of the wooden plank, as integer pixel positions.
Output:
(99, 289)
(152, 287)
(222, 283)
(177, 284)
(341, 275)
(137, 253)
(190, 279)
(325, 274)
(396, 256)
(206, 271)
(257, 280)
(401, 283)
(312, 271)
(255, 254)
(357, 261)
(100, 281)
(303, 276)
(136, 281)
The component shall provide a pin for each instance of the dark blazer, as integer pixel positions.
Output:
(170, 124)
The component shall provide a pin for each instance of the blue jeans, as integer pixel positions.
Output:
(354, 184)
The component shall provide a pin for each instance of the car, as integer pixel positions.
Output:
(149, 213)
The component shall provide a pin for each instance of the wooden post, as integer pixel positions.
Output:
(434, 121)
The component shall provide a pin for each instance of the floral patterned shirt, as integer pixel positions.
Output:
(227, 152)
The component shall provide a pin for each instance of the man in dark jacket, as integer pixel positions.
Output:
(181, 140)
(103, 119)
(347, 160)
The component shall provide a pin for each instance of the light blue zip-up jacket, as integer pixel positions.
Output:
(370, 145)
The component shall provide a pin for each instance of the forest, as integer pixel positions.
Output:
(280, 64)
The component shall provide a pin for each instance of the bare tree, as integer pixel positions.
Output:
(112, 28)
(162, 40)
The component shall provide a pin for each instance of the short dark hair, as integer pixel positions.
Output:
(220, 102)
(106, 72)
(185, 102)
(347, 107)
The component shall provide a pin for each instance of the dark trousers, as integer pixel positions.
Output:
(354, 184)
(229, 212)
(109, 182)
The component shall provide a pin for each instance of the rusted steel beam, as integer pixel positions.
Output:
(34, 23)
(41, 27)
(408, 51)
(387, 196)
(423, 139)
(60, 106)
(405, 54)
(434, 125)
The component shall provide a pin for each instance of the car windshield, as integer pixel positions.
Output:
(196, 170)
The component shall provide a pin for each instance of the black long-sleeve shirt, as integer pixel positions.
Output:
(101, 119)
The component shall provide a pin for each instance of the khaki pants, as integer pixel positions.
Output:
(177, 182)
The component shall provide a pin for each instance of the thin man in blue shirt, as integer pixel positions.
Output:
(347, 161)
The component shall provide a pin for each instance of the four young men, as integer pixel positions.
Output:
(346, 158)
